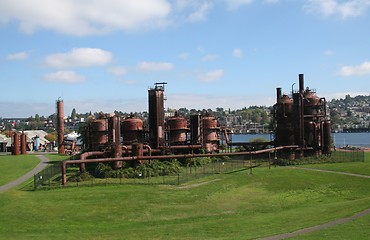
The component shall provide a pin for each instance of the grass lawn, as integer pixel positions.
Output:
(350, 167)
(229, 206)
(12, 167)
(357, 229)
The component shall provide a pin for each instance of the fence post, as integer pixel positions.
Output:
(34, 182)
(178, 176)
(250, 165)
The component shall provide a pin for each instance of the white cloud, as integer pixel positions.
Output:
(118, 71)
(271, 1)
(184, 55)
(154, 66)
(79, 57)
(64, 77)
(359, 70)
(328, 52)
(212, 76)
(200, 13)
(345, 9)
(85, 17)
(17, 56)
(237, 52)
(235, 4)
(209, 57)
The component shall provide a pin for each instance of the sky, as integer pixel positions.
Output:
(102, 56)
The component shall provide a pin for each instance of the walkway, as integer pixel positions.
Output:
(324, 225)
(37, 169)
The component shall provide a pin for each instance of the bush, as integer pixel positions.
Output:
(80, 177)
(198, 161)
(103, 171)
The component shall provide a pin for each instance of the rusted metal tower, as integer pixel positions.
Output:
(156, 115)
(60, 125)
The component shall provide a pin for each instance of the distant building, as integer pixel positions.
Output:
(34, 144)
(5, 143)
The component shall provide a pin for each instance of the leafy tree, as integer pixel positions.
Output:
(73, 114)
(52, 136)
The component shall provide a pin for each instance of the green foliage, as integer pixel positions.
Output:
(198, 161)
(103, 170)
(52, 136)
(80, 177)
(153, 168)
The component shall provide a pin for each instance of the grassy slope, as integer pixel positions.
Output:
(12, 167)
(351, 167)
(357, 229)
(238, 206)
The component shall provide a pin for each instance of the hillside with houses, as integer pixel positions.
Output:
(350, 114)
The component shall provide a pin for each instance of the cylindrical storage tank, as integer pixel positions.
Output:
(99, 134)
(177, 128)
(311, 103)
(16, 144)
(326, 137)
(132, 130)
(210, 128)
(284, 121)
(211, 140)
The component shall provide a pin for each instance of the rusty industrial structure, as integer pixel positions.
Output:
(301, 128)
(301, 119)
(19, 143)
(60, 125)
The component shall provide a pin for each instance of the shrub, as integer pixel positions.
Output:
(103, 171)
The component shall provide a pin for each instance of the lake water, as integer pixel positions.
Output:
(339, 139)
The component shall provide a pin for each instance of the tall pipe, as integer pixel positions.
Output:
(301, 82)
(156, 115)
(16, 142)
(60, 127)
(85, 155)
(278, 94)
(141, 157)
(116, 139)
(23, 143)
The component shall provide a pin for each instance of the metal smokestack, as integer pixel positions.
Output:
(156, 115)
(301, 82)
(278, 94)
(60, 125)
(16, 143)
(23, 143)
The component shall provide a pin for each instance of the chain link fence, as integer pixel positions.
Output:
(175, 172)
(48, 176)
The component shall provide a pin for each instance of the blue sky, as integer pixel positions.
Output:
(104, 55)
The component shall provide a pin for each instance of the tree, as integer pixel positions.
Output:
(73, 114)
(51, 136)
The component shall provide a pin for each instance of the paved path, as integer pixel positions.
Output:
(325, 225)
(318, 227)
(37, 169)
